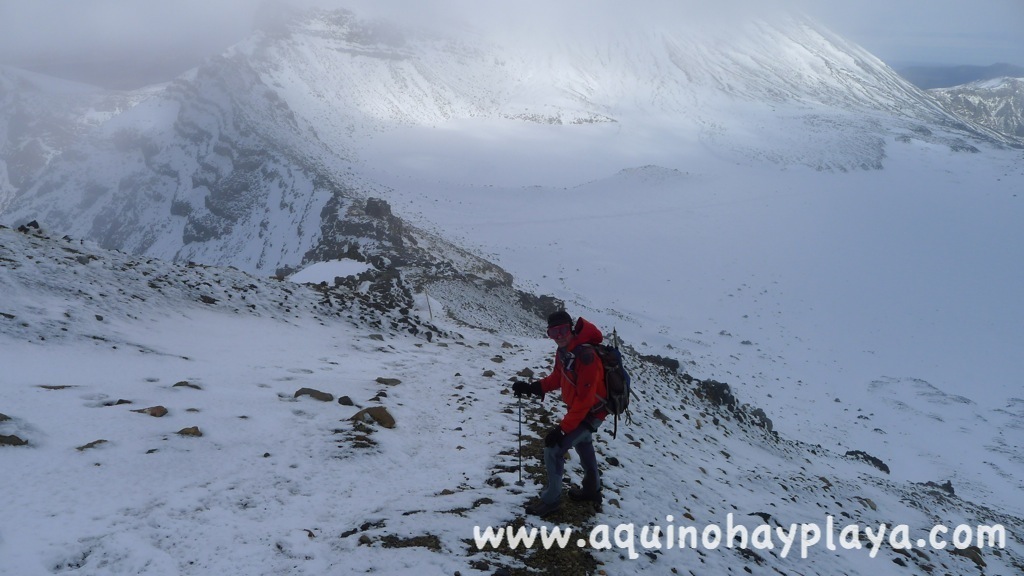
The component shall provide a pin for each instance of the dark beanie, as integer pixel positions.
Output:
(559, 318)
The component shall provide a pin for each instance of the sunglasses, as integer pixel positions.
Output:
(559, 332)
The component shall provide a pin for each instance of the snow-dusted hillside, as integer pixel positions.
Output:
(246, 473)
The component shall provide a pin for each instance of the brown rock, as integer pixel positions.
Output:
(192, 431)
(154, 411)
(378, 414)
(315, 394)
(389, 381)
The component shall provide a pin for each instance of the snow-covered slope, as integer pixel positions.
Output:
(271, 480)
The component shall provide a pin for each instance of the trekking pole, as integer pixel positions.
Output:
(520, 482)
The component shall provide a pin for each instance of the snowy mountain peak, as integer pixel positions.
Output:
(235, 162)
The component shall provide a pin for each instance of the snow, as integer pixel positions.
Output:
(875, 310)
(327, 271)
(848, 287)
(861, 295)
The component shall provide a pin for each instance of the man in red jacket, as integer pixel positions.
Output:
(579, 375)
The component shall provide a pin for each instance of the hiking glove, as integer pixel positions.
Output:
(554, 437)
(520, 388)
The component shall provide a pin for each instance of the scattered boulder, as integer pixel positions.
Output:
(389, 381)
(378, 414)
(25, 228)
(154, 411)
(4, 417)
(315, 394)
(345, 401)
(525, 373)
(187, 384)
(190, 431)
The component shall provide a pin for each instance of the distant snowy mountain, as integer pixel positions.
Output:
(930, 77)
(41, 117)
(997, 104)
(235, 162)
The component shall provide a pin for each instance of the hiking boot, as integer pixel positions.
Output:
(542, 509)
(580, 495)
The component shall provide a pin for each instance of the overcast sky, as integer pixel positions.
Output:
(898, 31)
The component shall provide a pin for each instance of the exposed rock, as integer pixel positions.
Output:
(11, 441)
(191, 431)
(154, 411)
(4, 417)
(717, 392)
(670, 363)
(378, 414)
(860, 455)
(315, 394)
(377, 208)
(972, 553)
(92, 444)
(867, 502)
(761, 419)
(187, 384)
(525, 373)
(389, 381)
(345, 401)
(429, 542)
(24, 228)
(946, 487)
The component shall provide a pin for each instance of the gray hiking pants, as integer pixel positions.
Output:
(582, 439)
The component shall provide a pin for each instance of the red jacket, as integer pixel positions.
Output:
(580, 375)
